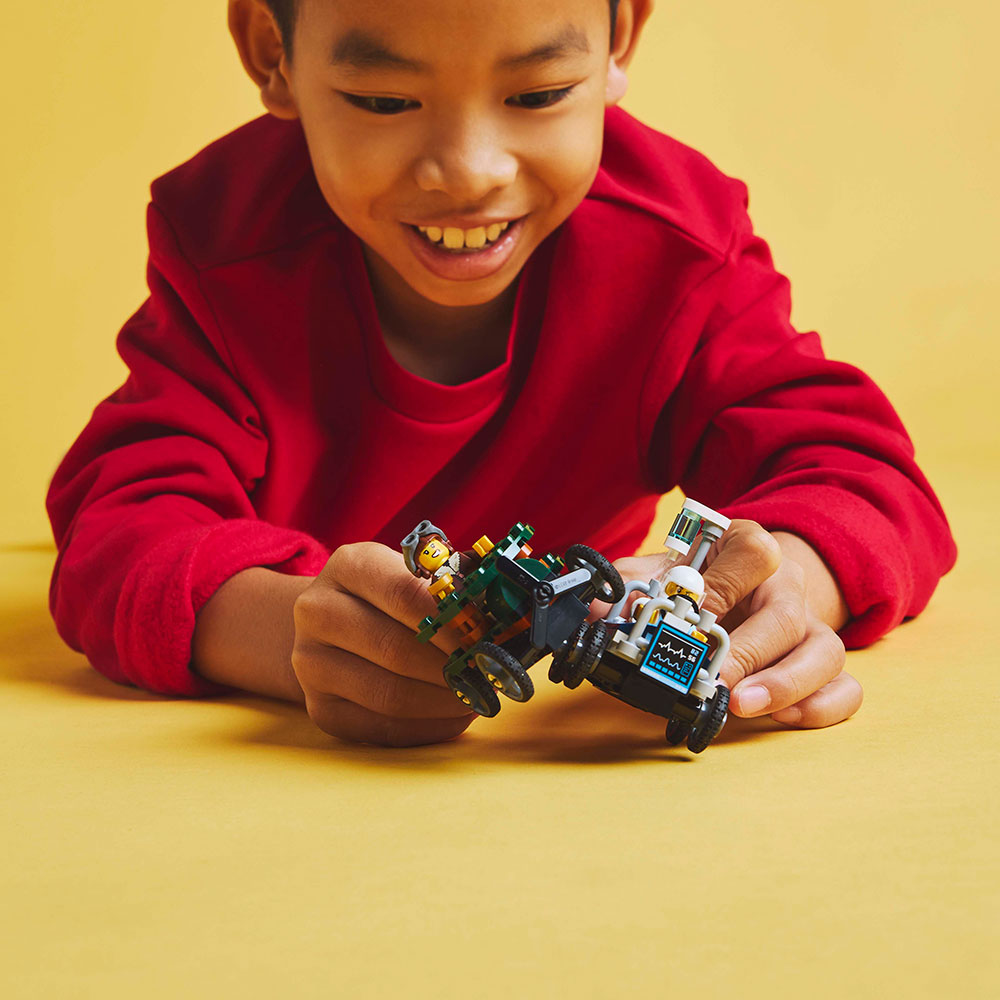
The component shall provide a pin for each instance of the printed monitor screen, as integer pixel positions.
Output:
(674, 658)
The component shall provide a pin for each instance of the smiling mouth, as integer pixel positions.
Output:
(463, 241)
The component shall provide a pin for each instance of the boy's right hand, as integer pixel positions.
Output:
(364, 675)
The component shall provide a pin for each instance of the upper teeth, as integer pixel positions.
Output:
(455, 239)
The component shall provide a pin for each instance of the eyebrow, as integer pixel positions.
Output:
(362, 52)
(570, 41)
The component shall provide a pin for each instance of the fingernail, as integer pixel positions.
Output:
(753, 699)
(789, 715)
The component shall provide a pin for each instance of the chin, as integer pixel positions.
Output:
(468, 297)
(458, 293)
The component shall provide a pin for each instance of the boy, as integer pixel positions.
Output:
(447, 277)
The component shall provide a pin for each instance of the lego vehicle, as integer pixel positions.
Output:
(506, 609)
(666, 657)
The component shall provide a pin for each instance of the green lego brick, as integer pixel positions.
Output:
(474, 585)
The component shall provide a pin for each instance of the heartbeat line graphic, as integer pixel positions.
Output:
(679, 651)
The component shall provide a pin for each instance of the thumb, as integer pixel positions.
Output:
(743, 559)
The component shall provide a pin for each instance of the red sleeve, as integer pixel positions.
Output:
(151, 507)
(764, 426)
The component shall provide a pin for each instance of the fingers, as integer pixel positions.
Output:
(323, 670)
(377, 575)
(777, 623)
(747, 555)
(357, 724)
(645, 567)
(328, 616)
(831, 704)
(807, 688)
(364, 674)
(355, 699)
(642, 568)
(810, 665)
(367, 602)
(783, 660)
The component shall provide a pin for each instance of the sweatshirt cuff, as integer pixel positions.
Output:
(155, 612)
(856, 541)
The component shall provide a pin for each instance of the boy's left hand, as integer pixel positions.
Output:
(778, 601)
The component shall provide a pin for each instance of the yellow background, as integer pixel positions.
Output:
(150, 847)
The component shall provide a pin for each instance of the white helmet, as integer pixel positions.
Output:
(686, 578)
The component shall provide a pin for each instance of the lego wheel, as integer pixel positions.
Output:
(582, 665)
(677, 731)
(503, 671)
(560, 661)
(710, 721)
(476, 691)
(606, 579)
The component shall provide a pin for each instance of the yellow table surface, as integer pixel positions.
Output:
(154, 847)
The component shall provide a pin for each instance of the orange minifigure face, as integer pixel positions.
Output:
(433, 554)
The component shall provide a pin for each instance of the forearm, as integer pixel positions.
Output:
(245, 632)
(823, 594)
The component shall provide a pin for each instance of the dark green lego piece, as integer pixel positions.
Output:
(474, 585)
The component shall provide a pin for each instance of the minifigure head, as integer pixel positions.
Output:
(451, 137)
(433, 552)
(425, 549)
(686, 581)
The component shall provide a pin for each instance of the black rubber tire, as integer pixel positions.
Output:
(709, 725)
(557, 667)
(560, 660)
(511, 679)
(677, 731)
(612, 586)
(476, 691)
(594, 643)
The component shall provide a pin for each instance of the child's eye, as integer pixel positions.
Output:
(377, 105)
(395, 105)
(540, 98)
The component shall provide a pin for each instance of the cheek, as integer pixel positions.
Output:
(352, 182)
(567, 161)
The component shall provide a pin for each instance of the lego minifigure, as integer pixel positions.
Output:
(666, 657)
(428, 554)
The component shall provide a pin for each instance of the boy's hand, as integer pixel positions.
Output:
(778, 601)
(364, 675)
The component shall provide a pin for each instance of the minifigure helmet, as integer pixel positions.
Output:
(687, 579)
(411, 543)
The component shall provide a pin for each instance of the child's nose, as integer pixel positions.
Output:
(466, 162)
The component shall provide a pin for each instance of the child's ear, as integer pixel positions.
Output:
(617, 83)
(632, 16)
(258, 41)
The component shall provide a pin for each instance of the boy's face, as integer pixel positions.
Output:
(444, 114)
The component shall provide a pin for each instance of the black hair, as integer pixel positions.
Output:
(284, 14)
